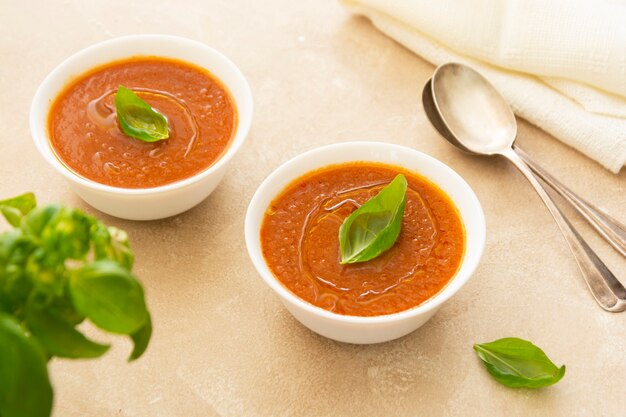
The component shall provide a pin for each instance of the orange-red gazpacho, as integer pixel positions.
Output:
(85, 135)
(299, 240)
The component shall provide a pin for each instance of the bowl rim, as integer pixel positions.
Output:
(448, 291)
(61, 74)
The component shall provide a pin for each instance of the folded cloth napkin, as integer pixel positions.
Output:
(561, 64)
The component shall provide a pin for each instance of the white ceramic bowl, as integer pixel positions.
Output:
(353, 329)
(156, 202)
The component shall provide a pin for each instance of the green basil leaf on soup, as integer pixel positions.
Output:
(110, 296)
(374, 227)
(137, 118)
(13, 209)
(25, 389)
(518, 363)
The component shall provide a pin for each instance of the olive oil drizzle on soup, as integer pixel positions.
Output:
(85, 135)
(299, 239)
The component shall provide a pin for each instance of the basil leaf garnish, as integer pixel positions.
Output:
(137, 118)
(374, 227)
(518, 363)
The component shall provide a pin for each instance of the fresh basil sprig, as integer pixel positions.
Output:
(58, 267)
(137, 118)
(374, 227)
(518, 363)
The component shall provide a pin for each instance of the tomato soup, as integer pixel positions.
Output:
(85, 135)
(299, 240)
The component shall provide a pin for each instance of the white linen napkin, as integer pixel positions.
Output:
(561, 64)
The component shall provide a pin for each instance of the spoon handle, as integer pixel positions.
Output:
(612, 230)
(605, 288)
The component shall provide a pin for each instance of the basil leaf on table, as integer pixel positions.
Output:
(24, 385)
(137, 118)
(518, 363)
(374, 227)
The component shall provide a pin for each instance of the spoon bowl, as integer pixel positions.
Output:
(435, 119)
(473, 110)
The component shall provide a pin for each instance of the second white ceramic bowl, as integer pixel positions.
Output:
(146, 203)
(353, 329)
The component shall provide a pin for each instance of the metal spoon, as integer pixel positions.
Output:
(613, 231)
(478, 120)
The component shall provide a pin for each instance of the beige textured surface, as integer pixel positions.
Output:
(223, 344)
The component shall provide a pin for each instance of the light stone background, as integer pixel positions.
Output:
(223, 345)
